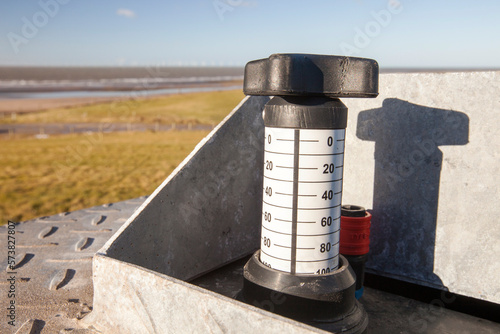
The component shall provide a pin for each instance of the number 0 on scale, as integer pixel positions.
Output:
(302, 195)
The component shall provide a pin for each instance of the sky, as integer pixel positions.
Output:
(397, 33)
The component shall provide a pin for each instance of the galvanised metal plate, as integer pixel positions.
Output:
(53, 271)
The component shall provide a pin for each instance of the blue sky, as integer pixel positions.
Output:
(397, 33)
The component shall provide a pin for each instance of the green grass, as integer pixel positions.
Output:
(41, 177)
(196, 108)
(71, 172)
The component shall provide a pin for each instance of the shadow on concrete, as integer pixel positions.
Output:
(408, 163)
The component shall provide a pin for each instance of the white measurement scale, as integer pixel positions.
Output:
(302, 194)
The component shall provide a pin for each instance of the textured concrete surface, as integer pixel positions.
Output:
(424, 157)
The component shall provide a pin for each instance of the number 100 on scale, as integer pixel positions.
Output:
(302, 193)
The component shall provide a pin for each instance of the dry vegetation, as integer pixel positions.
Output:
(196, 108)
(69, 172)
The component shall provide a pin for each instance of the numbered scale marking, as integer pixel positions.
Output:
(302, 194)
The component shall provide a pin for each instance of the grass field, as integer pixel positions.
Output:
(195, 108)
(41, 177)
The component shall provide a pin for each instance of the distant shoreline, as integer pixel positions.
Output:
(63, 99)
(98, 73)
(38, 73)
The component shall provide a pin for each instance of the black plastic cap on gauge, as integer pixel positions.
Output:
(348, 210)
(311, 75)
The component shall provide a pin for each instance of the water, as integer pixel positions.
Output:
(57, 82)
(131, 94)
